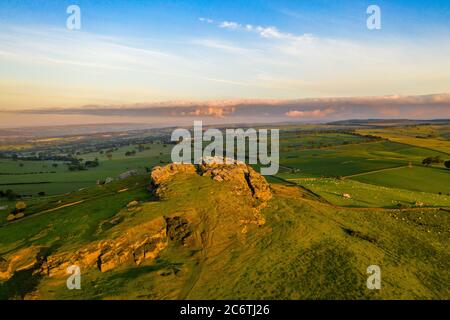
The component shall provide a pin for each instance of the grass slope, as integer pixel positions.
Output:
(306, 249)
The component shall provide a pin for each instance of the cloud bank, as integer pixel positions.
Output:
(313, 110)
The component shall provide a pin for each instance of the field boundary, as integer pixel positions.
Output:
(375, 171)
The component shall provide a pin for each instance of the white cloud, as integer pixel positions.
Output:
(206, 20)
(230, 25)
(220, 45)
(272, 32)
(317, 113)
(265, 32)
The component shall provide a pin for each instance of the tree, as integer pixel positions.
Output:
(76, 167)
(447, 164)
(92, 164)
(430, 160)
(427, 161)
(109, 155)
(437, 159)
(10, 195)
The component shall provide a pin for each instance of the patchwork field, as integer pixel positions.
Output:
(434, 137)
(305, 152)
(354, 159)
(32, 177)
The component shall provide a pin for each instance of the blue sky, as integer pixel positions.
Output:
(322, 17)
(147, 51)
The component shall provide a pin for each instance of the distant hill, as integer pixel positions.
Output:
(387, 122)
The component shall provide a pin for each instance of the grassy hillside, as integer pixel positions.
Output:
(305, 250)
(342, 201)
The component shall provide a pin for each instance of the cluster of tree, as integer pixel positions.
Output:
(78, 165)
(130, 153)
(430, 160)
(9, 194)
(433, 135)
(141, 148)
(92, 164)
(24, 173)
(16, 157)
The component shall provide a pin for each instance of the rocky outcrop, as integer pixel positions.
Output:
(160, 176)
(243, 177)
(178, 229)
(31, 258)
(243, 180)
(136, 245)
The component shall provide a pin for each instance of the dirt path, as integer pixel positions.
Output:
(61, 207)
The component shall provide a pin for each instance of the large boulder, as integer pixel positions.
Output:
(243, 177)
(161, 175)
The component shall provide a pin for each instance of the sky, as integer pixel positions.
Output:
(145, 52)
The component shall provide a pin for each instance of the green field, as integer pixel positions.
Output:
(370, 195)
(29, 180)
(434, 137)
(290, 141)
(354, 159)
(433, 180)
